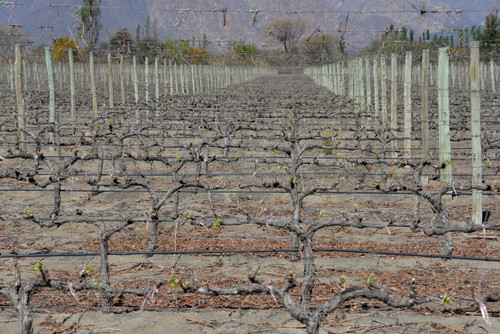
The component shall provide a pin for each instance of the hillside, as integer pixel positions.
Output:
(49, 19)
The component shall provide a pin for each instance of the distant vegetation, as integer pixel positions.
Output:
(295, 43)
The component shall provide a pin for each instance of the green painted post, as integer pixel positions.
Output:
(475, 101)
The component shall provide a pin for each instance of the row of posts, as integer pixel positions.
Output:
(177, 79)
(358, 88)
(158, 79)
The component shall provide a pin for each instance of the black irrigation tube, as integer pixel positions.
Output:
(138, 173)
(260, 157)
(236, 191)
(254, 251)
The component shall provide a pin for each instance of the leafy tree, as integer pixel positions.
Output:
(489, 34)
(90, 24)
(243, 52)
(286, 31)
(177, 49)
(60, 48)
(122, 42)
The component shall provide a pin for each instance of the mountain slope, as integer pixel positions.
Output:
(244, 19)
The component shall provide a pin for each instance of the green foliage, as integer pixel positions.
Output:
(218, 222)
(38, 266)
(177, 49)
(27, 212)
(402, 40)
(90, 22)
(489, 35)
(243, 52)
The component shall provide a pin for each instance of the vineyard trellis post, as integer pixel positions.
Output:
(170, 78)
(134, 79)
(93, 83)
(11, 75)
(110, 82)
(492, 75)
(444, 118)
(72, 88)
(52, 95)
(394, 104)
(407, 105)
(122, 82)
(146, 78)
(157, 84)
(475, 101)
(424, 93)
(383, 90)
(21, 117)
(376, 93)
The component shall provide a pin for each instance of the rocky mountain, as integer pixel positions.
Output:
(221, 21)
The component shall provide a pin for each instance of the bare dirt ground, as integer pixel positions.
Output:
(264, 112)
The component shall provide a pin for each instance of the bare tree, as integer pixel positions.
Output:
(9, 36)
(286, 31)
(319, 48)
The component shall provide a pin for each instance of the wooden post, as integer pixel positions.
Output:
(11, 75)
(193, 81)
(424, 93)
(182, 78)
(110, 82)
(122, 82)
(368, 82)
(383, 90)
(72, 88)
(146, 77)
(394, 104)
(25, 76)
(170, 78)
(52, 95)
(475, 101)
(93, 83)
(492, 76)
(157, 81)
(407, 105)
(376, 92)
(21, 117)
(176, 78)
(135, 80)
(444, 119)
